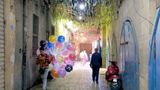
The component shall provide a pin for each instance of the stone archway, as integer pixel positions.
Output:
(129, 57)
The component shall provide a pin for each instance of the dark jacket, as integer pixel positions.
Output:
(96, 60)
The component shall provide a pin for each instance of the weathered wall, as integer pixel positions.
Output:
(33, 7)
(141, 13)
(18, 45)
(14, 42)
(9, 44)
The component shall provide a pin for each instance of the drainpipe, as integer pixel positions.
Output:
(24, 48)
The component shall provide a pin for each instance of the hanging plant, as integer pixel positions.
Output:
(103, 14)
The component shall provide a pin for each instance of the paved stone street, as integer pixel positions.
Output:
(79, 79)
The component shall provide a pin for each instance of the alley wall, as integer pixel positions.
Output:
(9, 45)
(141, 14)
(34, 9)
(32, 25)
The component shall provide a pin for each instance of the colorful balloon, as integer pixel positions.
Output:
(50, 67)
(57, 66)
(72, 57)
(64, 52)
(54, 73)
(54, 51)
(63, 65)
(59, 59)
(58, 45)
(71, 47)
(61, 39)
(68, 68)
(50, 45)
(69, 62)
(62, 73)
(52, 39)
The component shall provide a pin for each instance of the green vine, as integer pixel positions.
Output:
(103, 15)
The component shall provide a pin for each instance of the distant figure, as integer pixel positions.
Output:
(81, 56)
(96, 63)
(85, 57)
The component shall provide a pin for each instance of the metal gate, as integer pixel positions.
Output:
(154, 56)
(1, 45)
(128, 58)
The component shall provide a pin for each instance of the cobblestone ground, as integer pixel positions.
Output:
(79, 79)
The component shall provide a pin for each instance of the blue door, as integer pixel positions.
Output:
(129, 58)
(154, 58)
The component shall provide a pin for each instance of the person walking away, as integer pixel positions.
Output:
(43, 62)
(96, 63)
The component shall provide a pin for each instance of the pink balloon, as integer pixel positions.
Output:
(58, 45)
(63, 65)
(65, 59)
(69, 62)
(70, 47)
(64, 52)
(72, 57)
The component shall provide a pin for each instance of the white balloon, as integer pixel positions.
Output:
(50, 67)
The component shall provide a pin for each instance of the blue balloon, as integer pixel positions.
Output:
(61, 39)
(50, 45)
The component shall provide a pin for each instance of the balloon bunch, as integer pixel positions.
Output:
(63, 56)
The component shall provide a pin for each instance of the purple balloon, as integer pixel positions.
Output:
(62, 73)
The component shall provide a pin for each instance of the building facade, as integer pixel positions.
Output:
(132, 28)
(26, 22)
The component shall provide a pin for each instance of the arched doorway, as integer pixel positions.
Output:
(154, 56)
(129, 57)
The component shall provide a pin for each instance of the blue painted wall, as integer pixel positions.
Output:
(154, 56)
(128, 51)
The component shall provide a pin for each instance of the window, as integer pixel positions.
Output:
(35, 34)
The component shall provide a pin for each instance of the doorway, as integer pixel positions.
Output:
(154, 56)
(129, 57)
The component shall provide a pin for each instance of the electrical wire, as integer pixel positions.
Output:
(140, 14)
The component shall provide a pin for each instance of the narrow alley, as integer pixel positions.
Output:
(69, 44)
(79, 79)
